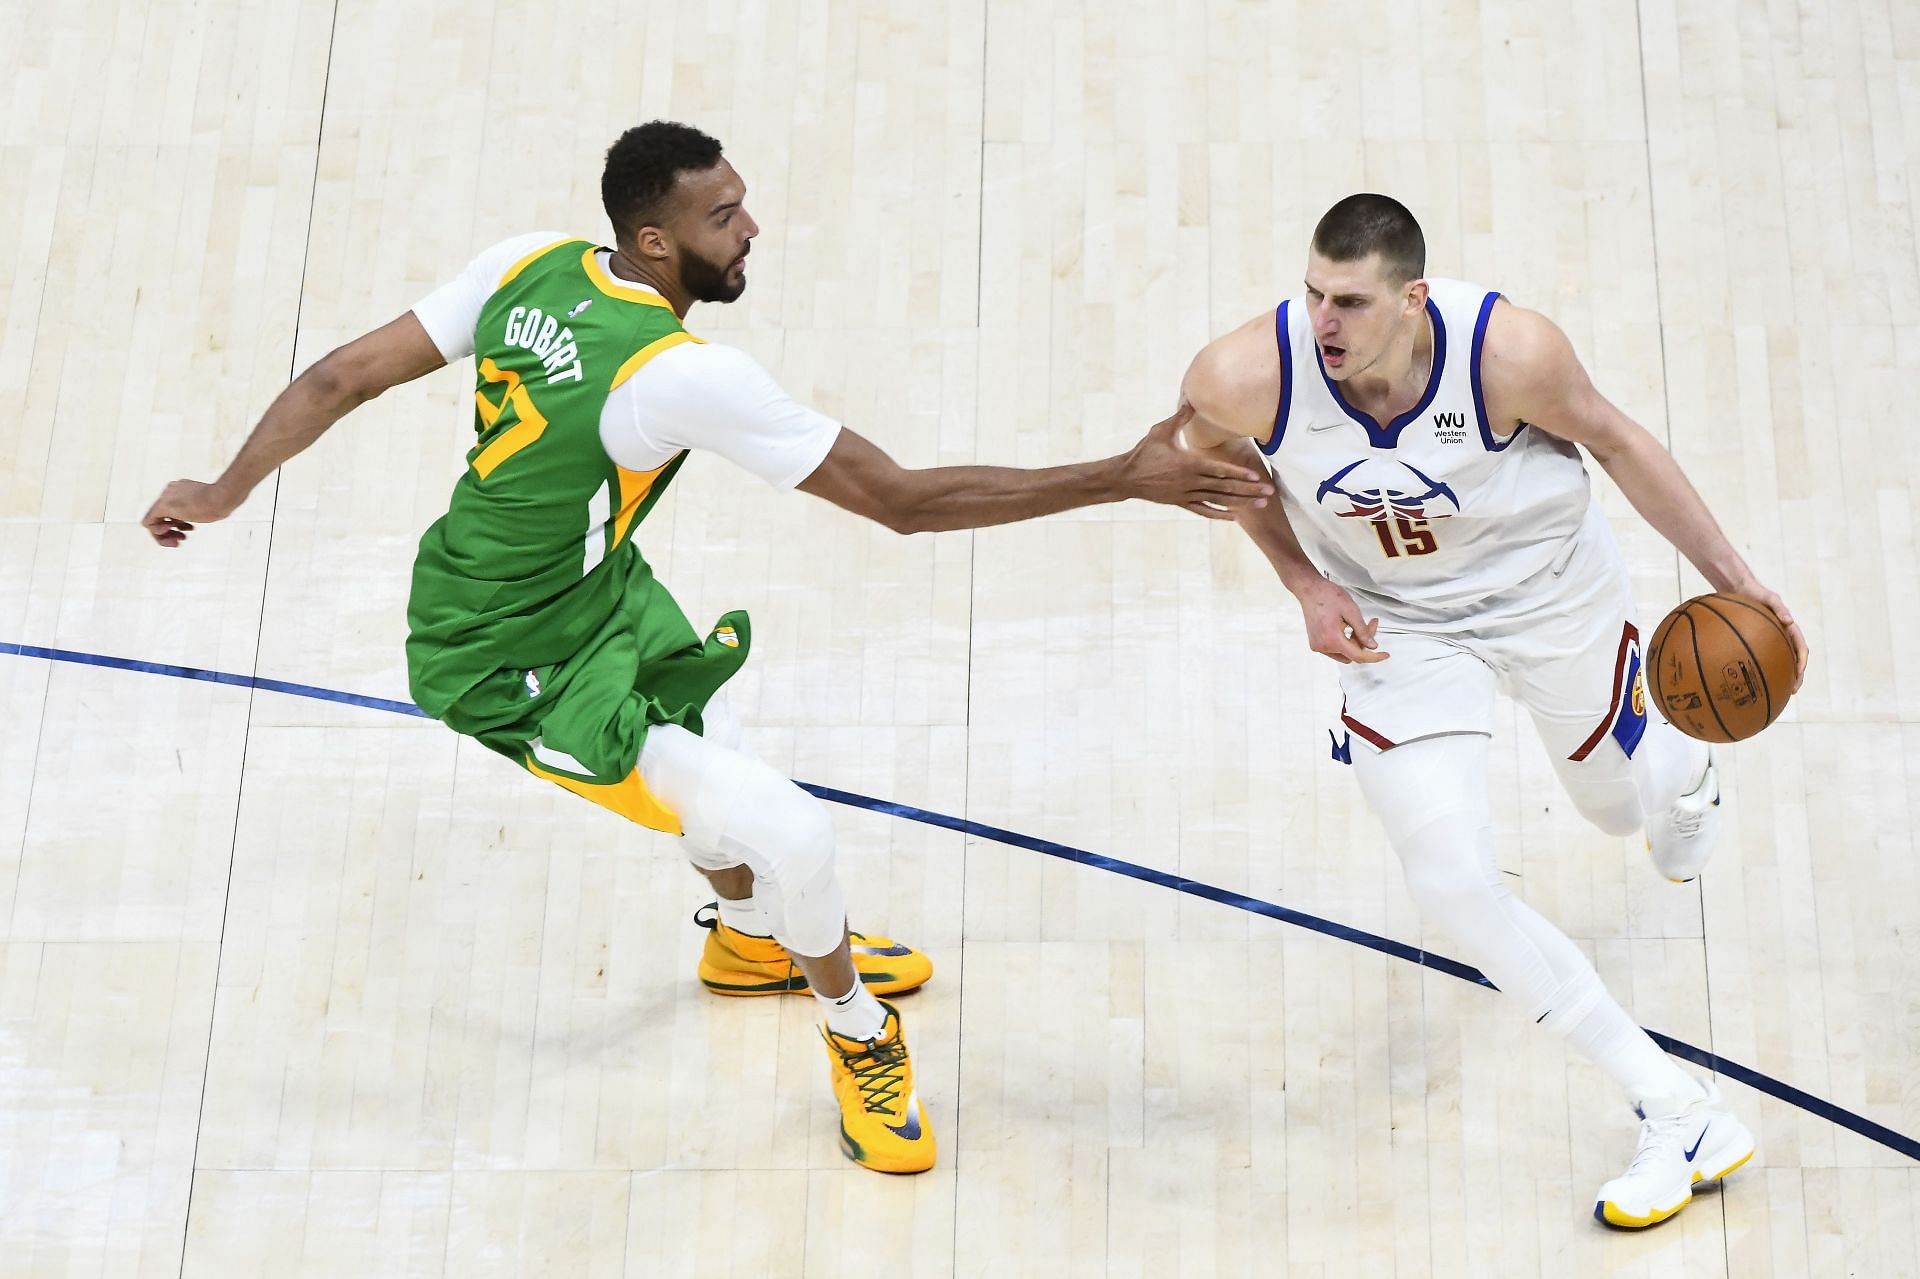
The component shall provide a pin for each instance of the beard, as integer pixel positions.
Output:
(707, 282)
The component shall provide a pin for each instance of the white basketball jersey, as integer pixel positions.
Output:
(1432, 509)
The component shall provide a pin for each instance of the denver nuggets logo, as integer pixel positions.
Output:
(727, 635)
(1380, 489)
(1639, 695)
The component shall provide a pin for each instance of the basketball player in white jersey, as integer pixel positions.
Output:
(1437, 526)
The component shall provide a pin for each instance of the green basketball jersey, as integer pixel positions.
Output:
(535, 549)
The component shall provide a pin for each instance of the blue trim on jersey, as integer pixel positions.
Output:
(1385, 437)
(1284, 338)
(1479, 392)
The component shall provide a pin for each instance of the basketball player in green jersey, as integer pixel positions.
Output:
(536, 627)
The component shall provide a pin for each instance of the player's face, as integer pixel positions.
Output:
(713, 233)
(1357, 311)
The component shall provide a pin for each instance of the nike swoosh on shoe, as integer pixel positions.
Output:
(910, 1130)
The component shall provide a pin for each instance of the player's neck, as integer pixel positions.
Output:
(1398, 379)
(634, 270)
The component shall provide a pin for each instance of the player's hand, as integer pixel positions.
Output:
(1162, 468)
(1335, 627)
(183, 504)
(1753, 590)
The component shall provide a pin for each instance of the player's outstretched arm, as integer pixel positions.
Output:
(1531, 374)
(338, 383)
(860, 477)
(1233, 385)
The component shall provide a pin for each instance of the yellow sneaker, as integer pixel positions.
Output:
(881, 1124)
(737, 963)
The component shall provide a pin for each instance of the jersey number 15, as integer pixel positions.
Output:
(1402, 536)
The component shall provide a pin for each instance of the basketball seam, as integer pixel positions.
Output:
(1700, 670)
(1759, 672)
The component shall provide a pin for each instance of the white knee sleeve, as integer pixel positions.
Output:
(737, 811)
(1431, 795)
(721, 724)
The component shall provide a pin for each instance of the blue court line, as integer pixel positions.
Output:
(1879, 1133)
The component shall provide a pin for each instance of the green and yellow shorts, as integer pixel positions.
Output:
(580, 722)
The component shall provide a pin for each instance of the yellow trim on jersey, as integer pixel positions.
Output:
(590, 260)
(647, 352)
(530, 259)
(628, 797)
(634, 487)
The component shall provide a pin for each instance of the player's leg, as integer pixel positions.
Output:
(736, 811)
(742, 955)
(1666, 783)
(1431, 796)
(1625, 768)
(1575, 665)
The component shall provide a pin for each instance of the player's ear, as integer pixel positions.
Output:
(1416, 296)
(651, 242)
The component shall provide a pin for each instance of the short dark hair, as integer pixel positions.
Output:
(643, 164)
(1367, 223)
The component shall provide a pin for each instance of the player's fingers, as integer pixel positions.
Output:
(1797, 637)
(1211, 512)
(1242, 482)
(1230, 473)
(1237, 501)
(1357, 629)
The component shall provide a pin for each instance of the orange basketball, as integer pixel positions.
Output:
(1721, 667)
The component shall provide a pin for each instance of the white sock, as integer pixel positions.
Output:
(745, 916)
(856, 1014)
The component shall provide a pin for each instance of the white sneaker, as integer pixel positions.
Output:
(1703, 1141)
(1682, 841)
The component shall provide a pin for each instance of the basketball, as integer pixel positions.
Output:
(1721, 667)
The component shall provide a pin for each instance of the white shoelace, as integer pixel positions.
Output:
(1653, 1133)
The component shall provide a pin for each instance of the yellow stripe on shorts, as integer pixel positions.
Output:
(628, 797)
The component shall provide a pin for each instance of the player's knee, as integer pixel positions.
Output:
(1612, 816)
(809, 836)
(1449, 893)
(781, 830)
(1609, 800)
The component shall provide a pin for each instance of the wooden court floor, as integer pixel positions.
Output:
(292, 985)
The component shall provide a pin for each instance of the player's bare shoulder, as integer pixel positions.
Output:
(1234, 383)
(1527, 368)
